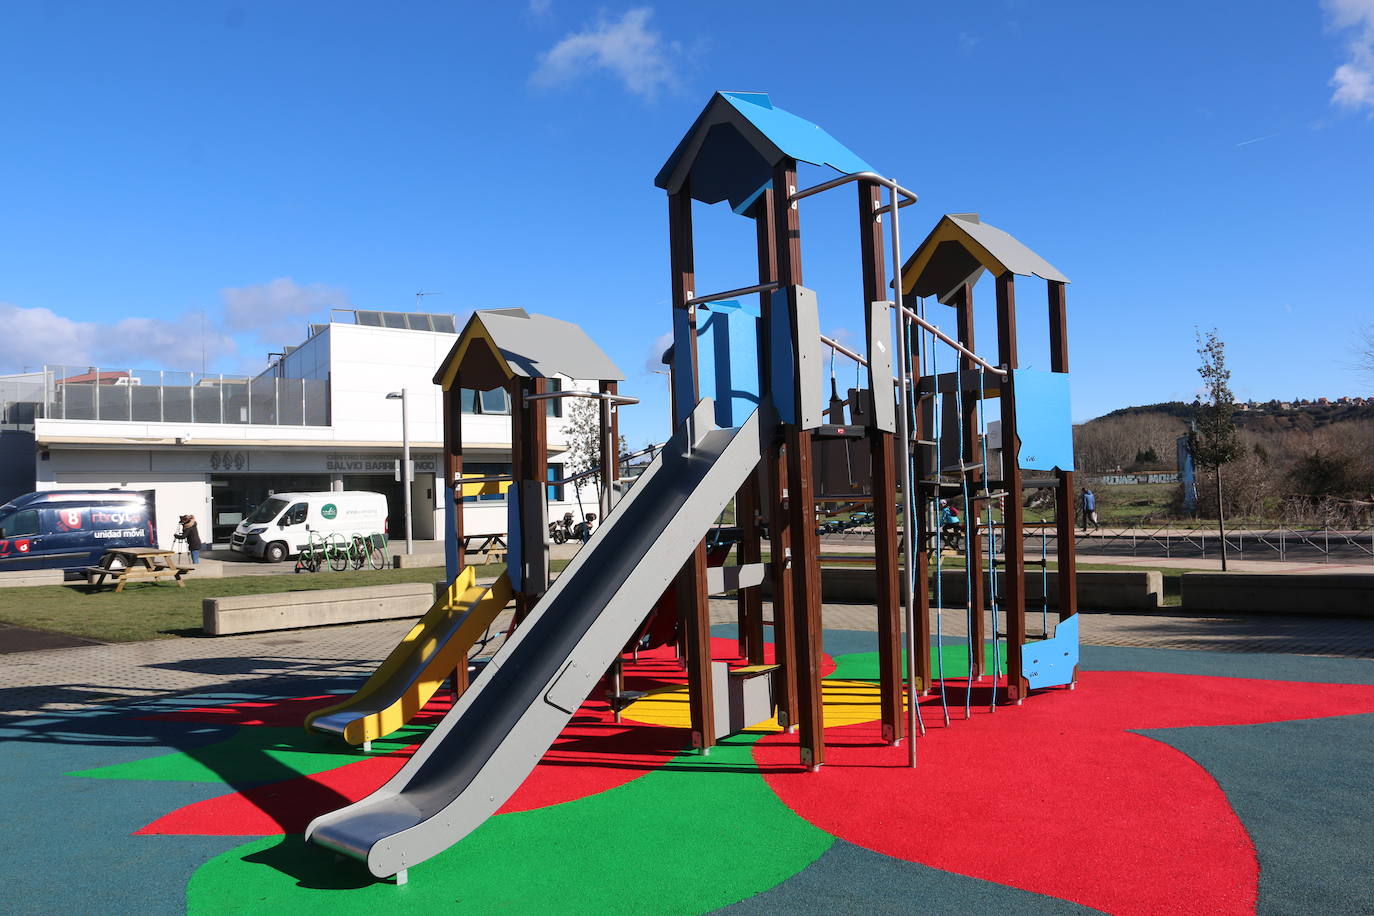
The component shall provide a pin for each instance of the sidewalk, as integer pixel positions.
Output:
(75, 678)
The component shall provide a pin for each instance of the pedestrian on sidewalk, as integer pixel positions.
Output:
(1088, 508)
(191, 532)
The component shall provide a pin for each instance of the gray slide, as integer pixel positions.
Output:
(500, 728)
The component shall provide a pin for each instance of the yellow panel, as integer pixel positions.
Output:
(491, 488)
(844, 703)
(463, 597)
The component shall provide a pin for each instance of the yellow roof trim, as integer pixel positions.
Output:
(947, 230)
(474, 331)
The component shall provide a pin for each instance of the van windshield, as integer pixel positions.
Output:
(266, 512)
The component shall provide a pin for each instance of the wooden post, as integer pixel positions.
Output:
(774, 475)
(453, 461)
(884, 486)
(1013, 544)
(973, 452)
(1065, 546)
(750, 600)
(693, 608)
(530, 462)
(805, 571)
(610, 449)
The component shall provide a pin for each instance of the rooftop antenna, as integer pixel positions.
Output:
(419, 305)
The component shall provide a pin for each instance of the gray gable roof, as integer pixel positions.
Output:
(537, 346)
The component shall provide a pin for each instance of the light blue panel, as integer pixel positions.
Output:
(796, 137)
(451, 546)
(1050, 662)
(684, 382)
(515, 566)
(728, 360)
(1043, 419)
(782, 370)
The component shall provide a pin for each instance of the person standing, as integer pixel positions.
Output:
(1089, 508)
(191, 532)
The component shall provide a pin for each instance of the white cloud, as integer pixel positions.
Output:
(653, 361)
(1354, 79)
(638, 56)
(39, 336)
(276, 312)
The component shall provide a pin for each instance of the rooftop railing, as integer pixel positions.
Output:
(163, 396)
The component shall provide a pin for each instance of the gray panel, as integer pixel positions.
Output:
(810, 365)
(721, 579)
(534, 516)
(884, 415)
(1008, 249)
(368, 319)
(496, 733)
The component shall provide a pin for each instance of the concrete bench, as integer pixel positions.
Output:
(1305, 594)
(292, 610)
(25, 577)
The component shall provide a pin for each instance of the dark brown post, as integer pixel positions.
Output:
(1066, 553)
(750, 600)
(529, 462)
(453, 461)
(779, 531)
(805, 571)
(973, 453)
(610, 449)
(884, 488)
(693, 609)
(1013, 545)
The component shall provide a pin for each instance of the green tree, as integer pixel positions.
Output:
(1213, 438)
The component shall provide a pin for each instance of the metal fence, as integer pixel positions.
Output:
(1279, 542)
(161, 396)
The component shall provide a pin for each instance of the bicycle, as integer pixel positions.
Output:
(375, 545)
(338, 551)
(312, 558)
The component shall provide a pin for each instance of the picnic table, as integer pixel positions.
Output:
(136, 564)
(491, 546)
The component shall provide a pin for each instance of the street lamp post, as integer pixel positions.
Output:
(405, 460)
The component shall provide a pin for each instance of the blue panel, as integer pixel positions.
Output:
(450, 535)
(797, 137)
(782, 375)
(684, 383)
(728, 360)
(515, 567)
(1050, 662)
(1043, 419)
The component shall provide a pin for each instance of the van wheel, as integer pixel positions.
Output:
(275, 553)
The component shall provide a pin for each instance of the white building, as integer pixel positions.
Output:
(317, 419)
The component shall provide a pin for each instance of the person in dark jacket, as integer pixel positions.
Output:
(191, 532)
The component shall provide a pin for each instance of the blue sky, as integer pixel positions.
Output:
(188, 177)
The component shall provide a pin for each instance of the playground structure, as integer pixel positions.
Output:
(750, 426)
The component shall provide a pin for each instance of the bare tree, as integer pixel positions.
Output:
(1364, 350)
(1213, 439)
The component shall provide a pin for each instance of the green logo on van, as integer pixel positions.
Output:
(329, 510)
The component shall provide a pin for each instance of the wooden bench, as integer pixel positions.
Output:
(137, 564)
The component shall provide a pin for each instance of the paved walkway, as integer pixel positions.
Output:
(73, 678)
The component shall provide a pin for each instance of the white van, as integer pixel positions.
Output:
(283, 524)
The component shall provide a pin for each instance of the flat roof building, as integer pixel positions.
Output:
(316, 419)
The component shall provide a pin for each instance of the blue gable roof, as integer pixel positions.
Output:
(732, 147)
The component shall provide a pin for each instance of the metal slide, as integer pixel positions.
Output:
(419, 664)
(485, 747)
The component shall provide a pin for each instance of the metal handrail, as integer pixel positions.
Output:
(841, 348)
(874, 177)
(731, 294)
(912, 316)
(615, 399)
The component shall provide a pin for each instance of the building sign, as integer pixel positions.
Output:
(359, 464)
(228, 461)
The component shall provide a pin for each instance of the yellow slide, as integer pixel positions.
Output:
(419, 664)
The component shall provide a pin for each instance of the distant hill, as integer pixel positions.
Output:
(1269, 417)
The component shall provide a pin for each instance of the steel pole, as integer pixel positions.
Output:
(405, 467)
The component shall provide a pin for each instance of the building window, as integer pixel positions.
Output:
(555, 404)
(555, 473)
(495, 402)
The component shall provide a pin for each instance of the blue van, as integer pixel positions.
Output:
(69, 529)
